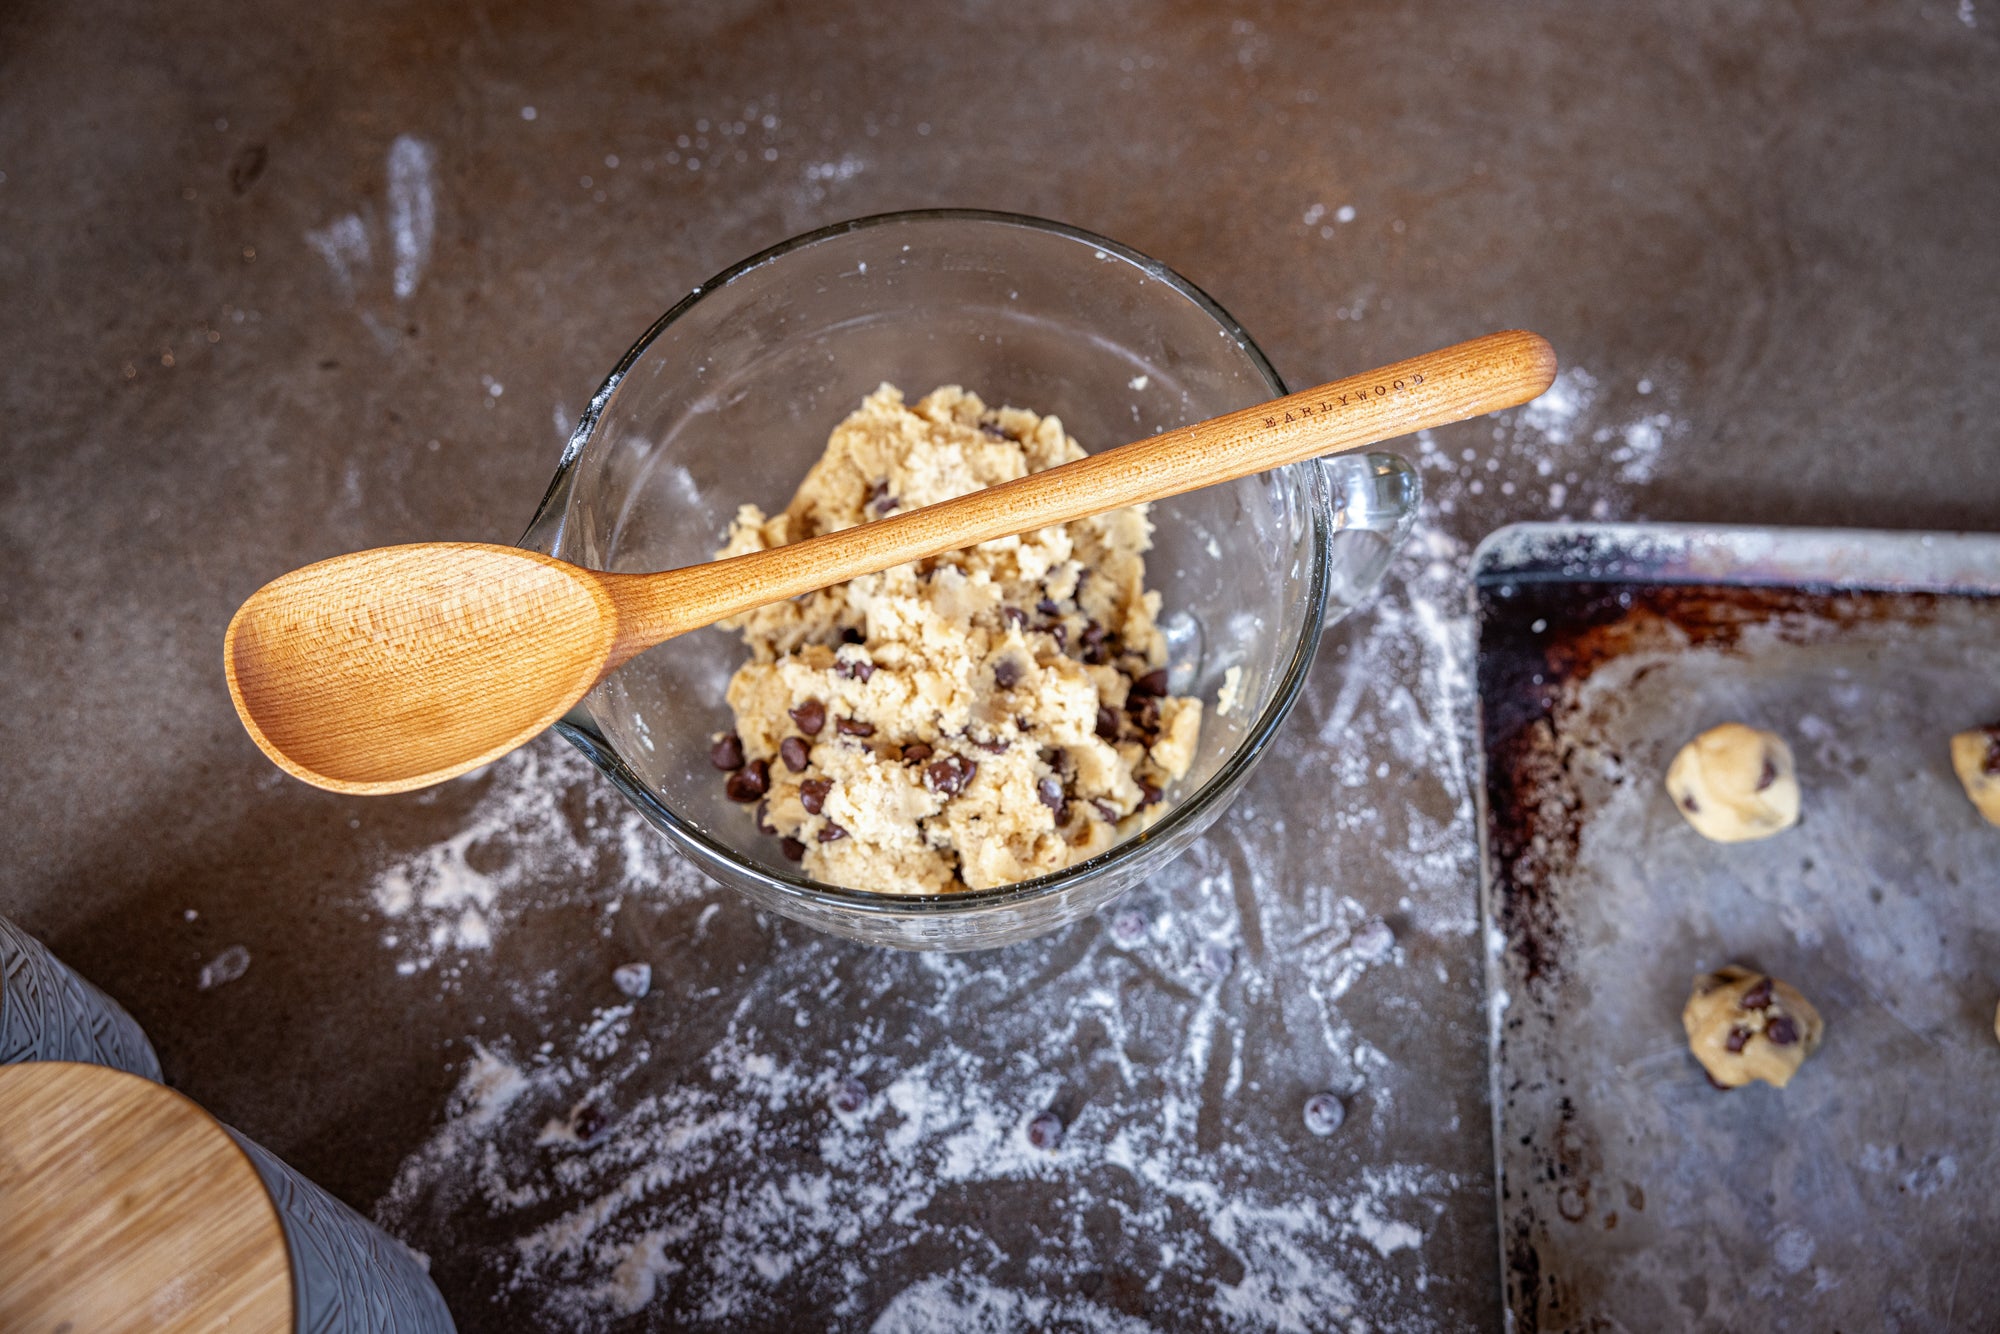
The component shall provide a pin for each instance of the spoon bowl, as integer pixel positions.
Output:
(385, 670)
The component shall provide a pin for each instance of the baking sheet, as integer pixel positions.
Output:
(1632, 1194)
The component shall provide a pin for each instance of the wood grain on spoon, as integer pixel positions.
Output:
(392, 669)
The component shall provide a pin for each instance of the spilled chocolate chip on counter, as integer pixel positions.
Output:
(1782, 1031)
(812, 794)
(810, 717)
(750, 782)
(727, 752)
(849, 1096)
(795, 753)
(949, 776)
(1758, 997)
(831, 832)
(1045, 1132)
(588, 1122)
(794, 850)
(853, 727)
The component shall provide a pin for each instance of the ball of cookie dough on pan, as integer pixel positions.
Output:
(1976, 757)
(1743, 1025)
(1735, 783)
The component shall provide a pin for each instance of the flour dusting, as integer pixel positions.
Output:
(412, 210)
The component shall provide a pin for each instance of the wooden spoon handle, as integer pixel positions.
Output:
(1465, 380)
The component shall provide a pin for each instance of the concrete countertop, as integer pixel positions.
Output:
(295, 279)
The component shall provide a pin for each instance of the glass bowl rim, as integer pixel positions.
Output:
(581, 730)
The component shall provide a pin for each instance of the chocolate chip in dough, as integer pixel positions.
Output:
(750, 782)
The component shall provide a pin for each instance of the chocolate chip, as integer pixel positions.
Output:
(1152, 683)
(852, 636)
(1049, 792)
(1737, 1037)
(1047, 607)
(994, 429)
(1006, 673)
(1148, 794)
(852, 727)
(1145, 711)
(1014, 616)
(588, 1122)
(854, 669)
(1095, 652)
(1689, 805)
(1992, 762)
(1106, 809)
(916, 752)
(727, 752)
(1059, 632)
(950, 775)
(1781, 1030)
(1758, 996)
(879, 500)
(831, 832)
(849, 1096)
(1107, 722)
(795, 753)
(810, 717)
(763, 818)
(793, 849)
(1768, 775)
(750, 782)
(992, 746)
(1045, 1131)
(812, 794)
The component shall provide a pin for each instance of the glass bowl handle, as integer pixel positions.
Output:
(1374, 498)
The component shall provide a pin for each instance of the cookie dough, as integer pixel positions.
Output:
(1743, 1025)
(1976, 757)
(1735, 783)
(962, 722)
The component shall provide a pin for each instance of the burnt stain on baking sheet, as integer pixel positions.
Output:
(1538, 639)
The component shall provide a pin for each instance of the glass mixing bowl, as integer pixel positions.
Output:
(729, 399)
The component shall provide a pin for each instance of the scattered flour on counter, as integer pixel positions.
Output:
(519, 848)
(726, 1189)
(412, 210)
(225, 967)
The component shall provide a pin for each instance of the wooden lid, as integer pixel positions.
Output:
(124, 1206)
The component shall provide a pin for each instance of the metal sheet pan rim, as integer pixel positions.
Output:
(1685, 553)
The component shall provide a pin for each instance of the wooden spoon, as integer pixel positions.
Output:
(400, 667)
